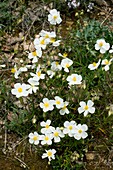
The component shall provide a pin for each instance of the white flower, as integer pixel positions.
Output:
(46, 139)
(29, 66)
(47, 128)
(20, 90)
(66, 63)
(94, 65)
(34, 119)
(2, 65)
(59, 102)
(38, 74)
(102, 46)
(111, 50)
(40, 43)
(23, 69)
(34, 138)
(50, 154)
(50, 73)
(47, 35)
(33, 85)
(107, 63)
(15, 71)
(54, 17)
(34, 55)
(74, 79)
(47, 104)
(64, 108)
(20, 70)
(56, 43)
(57, 134)
(64, 55)
(55, 66)
(69, 127)
(86, 108)
(80, 131)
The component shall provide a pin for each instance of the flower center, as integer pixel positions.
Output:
(55, 17)
(56, 134)
(64, 107)
(32, 85)
(47, 126)
(46, 36)
(57, 102)
(20, 90)
(106, 62)
(86, 107)
(64, 55)
(46, 104)
(79, 131)
(38, 73)
(52, 40)
(42, 42)
(49, 153)
(70, 127)
(34, 53)
(35, 138)
(67, 65)
(13, 70)
(101, 44)
(94, 64)
(46, 138)
(56, 63)
(74, 79)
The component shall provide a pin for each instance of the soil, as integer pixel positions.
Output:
(17, 154)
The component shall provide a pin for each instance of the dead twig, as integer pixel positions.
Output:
(19, 142)
(17, 40)
(5, 140)
(106, 18)
(22, 162)
(28, 31)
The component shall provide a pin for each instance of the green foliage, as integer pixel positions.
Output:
(9, 15)
(5, 12)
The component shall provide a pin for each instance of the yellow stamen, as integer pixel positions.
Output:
(35, 138)
(57, 63)
(74, 79)
(101, 44)
(46, 36)
(86, 107)
(64, 107)
(46, 138)
(64, 55)
(42, 42)
(20, 90)
(57, 102)
(52, 40)
(34, 53)
(47, 126)
(56, 134)
(67, 65)
(38, 73)
(106, 62)
(13, 70)
(70, 127)
(49, 153)
(79, 131)
(94, 64)
(55, 17)
(46, 104)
